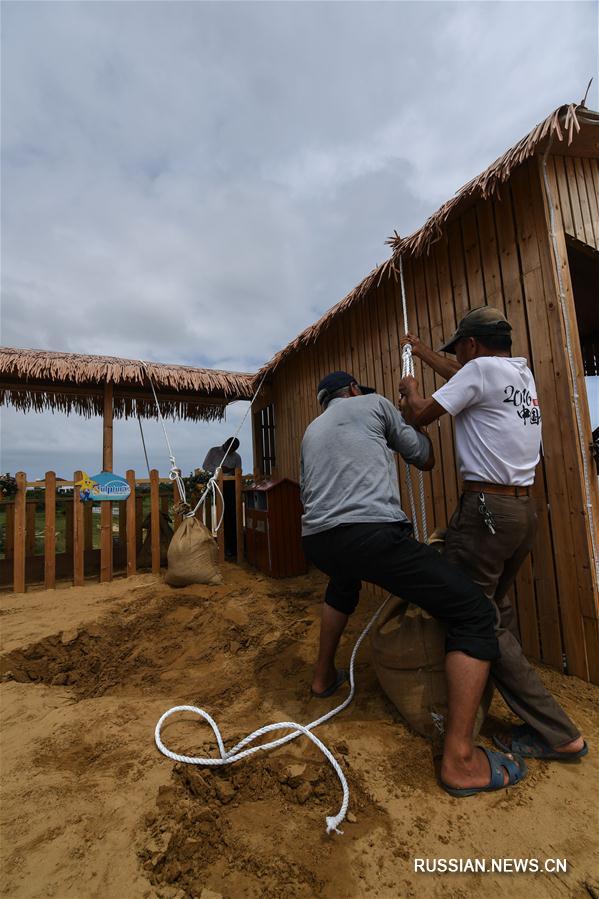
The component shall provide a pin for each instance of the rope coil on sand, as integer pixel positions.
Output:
(227, 757)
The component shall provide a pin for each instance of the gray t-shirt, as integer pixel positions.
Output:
(348, 471)
(214, 457)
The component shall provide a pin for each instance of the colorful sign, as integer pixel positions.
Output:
(103, 486)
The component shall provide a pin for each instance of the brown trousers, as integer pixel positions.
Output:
(492, 561)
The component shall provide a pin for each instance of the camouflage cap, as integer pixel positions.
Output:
(482, 322)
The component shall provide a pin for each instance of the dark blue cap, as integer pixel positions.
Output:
(335, 381)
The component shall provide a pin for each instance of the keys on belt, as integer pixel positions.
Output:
(486, 513)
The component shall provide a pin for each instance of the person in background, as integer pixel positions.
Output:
(494, 401)
(355, 530)
(231, 461)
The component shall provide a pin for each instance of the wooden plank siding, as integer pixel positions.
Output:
(497, 251)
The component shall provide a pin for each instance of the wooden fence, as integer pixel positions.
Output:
(49, 535)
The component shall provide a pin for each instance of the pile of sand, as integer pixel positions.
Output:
(90, 808)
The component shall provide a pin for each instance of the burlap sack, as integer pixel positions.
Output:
(192, 556)
(408, 651)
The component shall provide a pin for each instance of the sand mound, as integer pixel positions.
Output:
(91, 809)
(205, 822)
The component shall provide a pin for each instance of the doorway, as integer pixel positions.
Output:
(584, 273)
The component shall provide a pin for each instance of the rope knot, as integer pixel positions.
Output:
(332, 825)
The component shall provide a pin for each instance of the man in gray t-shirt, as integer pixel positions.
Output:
(355, 530)
(214, 457)
(347, 469)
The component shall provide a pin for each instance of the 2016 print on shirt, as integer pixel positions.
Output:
(527, 406)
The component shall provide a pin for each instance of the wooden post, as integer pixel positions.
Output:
(155, 520)
(239, 513)
(220, 537)
(78, 536)
(106, 507)
(50, 531)
(131, 529)
(107, 428)
(19, 550)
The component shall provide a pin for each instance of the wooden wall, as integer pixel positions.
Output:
(497, 252)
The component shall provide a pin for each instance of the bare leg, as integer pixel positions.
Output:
(332, 625)
(463, 764)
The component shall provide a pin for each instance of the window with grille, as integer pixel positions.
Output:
(265, 439)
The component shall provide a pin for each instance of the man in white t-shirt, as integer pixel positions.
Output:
(493, 399)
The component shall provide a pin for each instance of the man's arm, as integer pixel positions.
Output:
(430, 462)
(414, 447)
(416, 410)
(443, 365)
(209, 463)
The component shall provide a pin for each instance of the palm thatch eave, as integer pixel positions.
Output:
(41, 380)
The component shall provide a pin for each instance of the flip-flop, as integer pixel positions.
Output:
(528, 744)
(516, 771)
(342, 678)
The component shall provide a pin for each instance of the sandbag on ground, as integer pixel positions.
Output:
(192, 556)
(408, 651)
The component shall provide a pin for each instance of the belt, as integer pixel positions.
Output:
(505, 489)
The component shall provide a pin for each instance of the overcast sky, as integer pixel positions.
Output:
(196, 182)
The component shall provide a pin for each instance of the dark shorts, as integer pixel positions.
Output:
(387, 555)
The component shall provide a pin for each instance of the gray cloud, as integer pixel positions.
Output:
(213, 176)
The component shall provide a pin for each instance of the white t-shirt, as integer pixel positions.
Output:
(497, 420)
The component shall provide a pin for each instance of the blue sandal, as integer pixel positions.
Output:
(342, 678)
(528, 744)
(516, 771)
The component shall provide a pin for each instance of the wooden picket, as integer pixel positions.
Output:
(131, 527)
(50, 530)
(155, 520)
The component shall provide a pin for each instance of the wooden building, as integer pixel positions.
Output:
(523, 236)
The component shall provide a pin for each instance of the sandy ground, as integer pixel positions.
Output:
(91, 809)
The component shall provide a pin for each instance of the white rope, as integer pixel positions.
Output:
(227, 757)
(212, 488)
(143, 443)
(571, 362)
(407, 368)
(212, 485)
(174, 472)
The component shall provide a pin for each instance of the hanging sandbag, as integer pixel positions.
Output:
(192, 556)
(408, 651)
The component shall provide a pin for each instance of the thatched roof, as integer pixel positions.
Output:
(70, 382)
(560, 127)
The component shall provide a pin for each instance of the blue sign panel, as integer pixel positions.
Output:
(103, 486)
